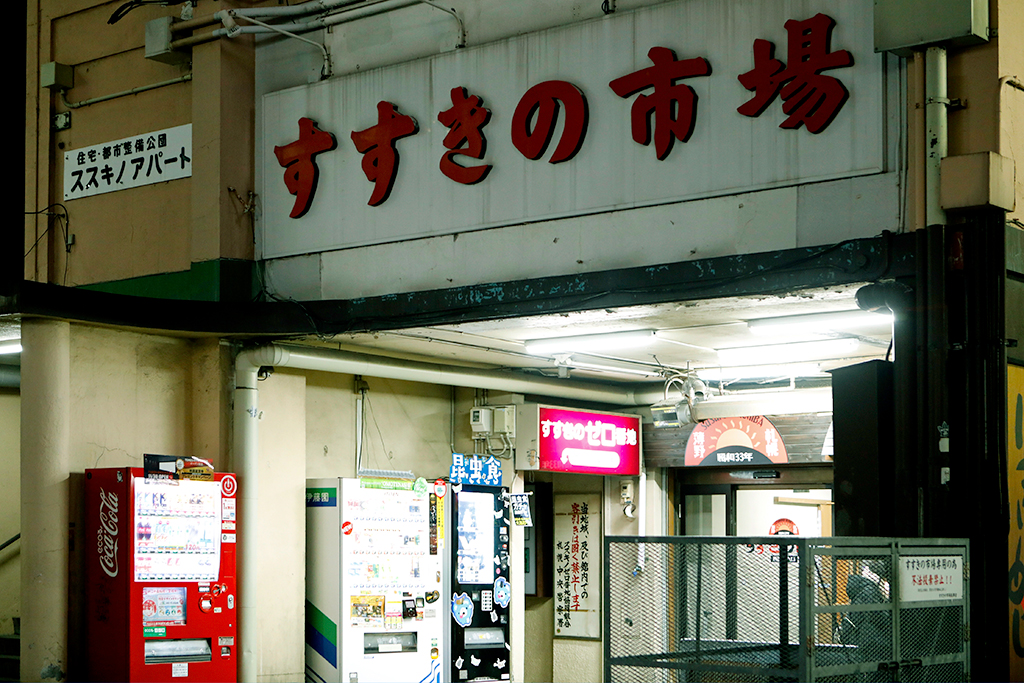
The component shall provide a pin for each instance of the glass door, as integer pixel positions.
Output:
(706, 510)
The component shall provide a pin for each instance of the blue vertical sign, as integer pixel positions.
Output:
(475, 469)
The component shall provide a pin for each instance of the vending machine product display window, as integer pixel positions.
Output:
(476, 539)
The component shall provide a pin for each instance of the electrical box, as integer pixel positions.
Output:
(625, 491)
(901, 26)
(481, 420)
(504, 421)
(158, 42)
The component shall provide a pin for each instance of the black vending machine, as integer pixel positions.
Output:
(481, 588)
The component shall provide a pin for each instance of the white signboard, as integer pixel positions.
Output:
(677, 101)
(578, 565)
(130, 162)
(932, 577)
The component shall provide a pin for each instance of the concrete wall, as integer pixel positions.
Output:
(133, 394)
(10, 507)
(406, 426)
(159, 228)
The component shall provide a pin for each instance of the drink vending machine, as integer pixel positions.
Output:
(481, 589)
(160, 582)
(386, 599)
(375, 580)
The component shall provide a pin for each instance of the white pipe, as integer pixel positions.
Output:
(362, 11)
(314, 7)
(246, 464)
(329, 360)
(641, 552)
(937, 135)
(359, 429)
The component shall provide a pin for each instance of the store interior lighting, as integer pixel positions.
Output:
(610, 341)
(758, 372)
(786, 353)
(606, 367)
(818, 322)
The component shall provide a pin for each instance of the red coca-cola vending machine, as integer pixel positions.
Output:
(160, 584)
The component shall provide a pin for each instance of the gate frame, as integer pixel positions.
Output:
(809, 548)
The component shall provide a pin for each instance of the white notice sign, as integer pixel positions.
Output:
(578, 565)
(143, 159)
(932, 577)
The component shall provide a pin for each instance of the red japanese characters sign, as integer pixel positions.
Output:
(377, 145)
(588, 443)
(659, 110)
(301, 172)
(667, 113)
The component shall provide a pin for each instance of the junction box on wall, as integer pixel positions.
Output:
(493, 421)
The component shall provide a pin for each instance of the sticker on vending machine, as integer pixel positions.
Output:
(227, 509)
(179, 669)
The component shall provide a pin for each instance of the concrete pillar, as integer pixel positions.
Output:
(223, 130)
(211, 382)
(45, 463)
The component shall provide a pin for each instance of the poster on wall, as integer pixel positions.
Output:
(578, 565)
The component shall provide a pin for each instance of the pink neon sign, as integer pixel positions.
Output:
(588, 443)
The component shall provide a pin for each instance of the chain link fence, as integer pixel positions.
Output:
(785, 608)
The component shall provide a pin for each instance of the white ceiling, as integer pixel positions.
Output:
(688, 336)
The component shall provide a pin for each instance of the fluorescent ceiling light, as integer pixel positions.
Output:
(611, 341)
(759, 371)
(818, 322)
(602, 367)
(778, 403)
(787, 353)
(10, 346)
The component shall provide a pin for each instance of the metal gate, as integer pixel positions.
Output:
(786, 609)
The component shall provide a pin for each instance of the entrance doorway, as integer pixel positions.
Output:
(753, 510)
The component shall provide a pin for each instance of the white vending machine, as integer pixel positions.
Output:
(376, 581)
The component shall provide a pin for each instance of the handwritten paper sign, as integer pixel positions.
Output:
(578, 565)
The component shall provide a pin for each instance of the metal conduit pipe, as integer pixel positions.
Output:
(231, 29)
(315, 7)
(292, 10)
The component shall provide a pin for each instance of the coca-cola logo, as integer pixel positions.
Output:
(106, 534)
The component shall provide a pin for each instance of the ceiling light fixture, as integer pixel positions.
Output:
(787, 353)
(10, 346)
(751, 372)
(612, 341)
(779, 403)
(586, 365)
(818, 322)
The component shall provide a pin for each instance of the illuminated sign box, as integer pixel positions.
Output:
(561, 440)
